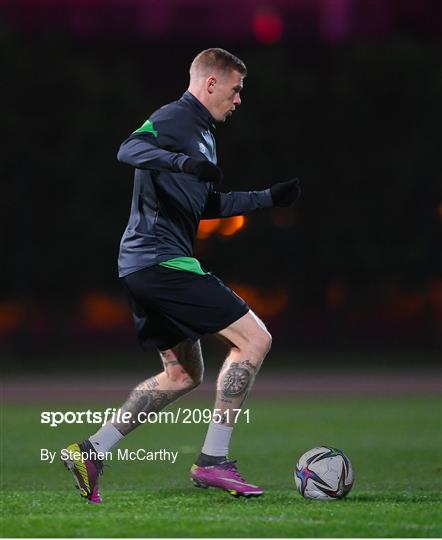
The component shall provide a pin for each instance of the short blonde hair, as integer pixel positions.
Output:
(216, 59)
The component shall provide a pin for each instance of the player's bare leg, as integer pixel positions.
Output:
(249, 343)
(183, 371)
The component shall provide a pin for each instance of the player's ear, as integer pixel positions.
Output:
(210, 84)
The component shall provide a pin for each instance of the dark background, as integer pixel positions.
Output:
(346, 95)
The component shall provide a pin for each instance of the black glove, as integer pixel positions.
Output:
(285, 193)
(205, 170)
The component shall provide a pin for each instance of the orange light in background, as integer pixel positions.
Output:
(336, 293)
(410, 303)
(265, 303)
(207, 227)
(232, 225)
(102, 312)
(224, 227)
(12, 316)
(267, 25)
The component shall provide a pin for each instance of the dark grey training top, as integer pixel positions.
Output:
(167, 204)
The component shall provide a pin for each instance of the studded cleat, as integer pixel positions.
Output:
(224, 476)
(86, 471)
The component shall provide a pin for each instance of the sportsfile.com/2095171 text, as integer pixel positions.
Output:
(183, 415)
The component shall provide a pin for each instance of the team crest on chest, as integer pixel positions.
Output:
(207, 145)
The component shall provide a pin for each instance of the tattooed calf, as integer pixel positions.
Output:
(235, 381)
(144, 400)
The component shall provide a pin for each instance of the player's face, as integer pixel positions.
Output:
(226, 95)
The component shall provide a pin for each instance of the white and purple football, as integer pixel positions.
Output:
(324, 473)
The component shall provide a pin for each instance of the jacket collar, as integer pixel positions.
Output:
(201, 111)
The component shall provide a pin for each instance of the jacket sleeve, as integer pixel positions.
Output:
(235, 203)
(149, 148)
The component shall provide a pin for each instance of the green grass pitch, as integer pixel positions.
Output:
(394, 443)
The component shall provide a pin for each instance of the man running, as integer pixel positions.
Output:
(174, 300)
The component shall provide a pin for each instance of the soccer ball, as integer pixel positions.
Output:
(324, 473)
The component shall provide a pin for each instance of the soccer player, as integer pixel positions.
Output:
(174, 300)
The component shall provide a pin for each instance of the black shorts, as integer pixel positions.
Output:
(172, 305)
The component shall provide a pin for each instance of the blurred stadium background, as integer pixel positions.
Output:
(345, 94)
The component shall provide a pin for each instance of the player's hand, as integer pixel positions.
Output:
(285, 193)
(205, 170)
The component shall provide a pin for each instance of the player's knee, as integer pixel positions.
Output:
(266, 341)
(188, 383)
(183, 378)
(259, 345)
(194, 380)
